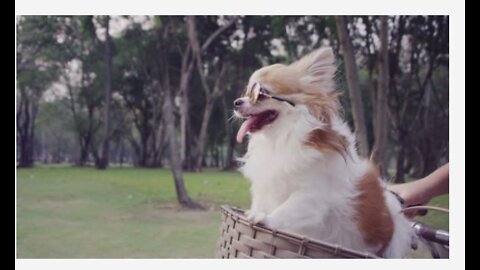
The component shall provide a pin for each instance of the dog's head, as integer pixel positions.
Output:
(277, 90)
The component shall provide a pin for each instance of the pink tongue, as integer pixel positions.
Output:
(244, 129)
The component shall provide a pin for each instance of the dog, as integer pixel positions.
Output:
(306, 175)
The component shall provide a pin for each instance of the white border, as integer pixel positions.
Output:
(239, 264)
(456, 10)
(238, 7)
(457, 136)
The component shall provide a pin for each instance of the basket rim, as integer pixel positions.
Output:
(237, 214)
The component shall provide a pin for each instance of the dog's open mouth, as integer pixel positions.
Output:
(255, 123)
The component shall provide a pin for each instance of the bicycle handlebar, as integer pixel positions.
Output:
(435, 235)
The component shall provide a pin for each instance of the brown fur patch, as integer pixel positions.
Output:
(294, 83)
(282, 79)
(373, 217)
(327, 140)
(324, 107)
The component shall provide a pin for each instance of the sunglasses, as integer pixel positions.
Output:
(257, 92)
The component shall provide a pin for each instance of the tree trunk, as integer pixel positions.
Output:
(202, 138)
(176, 167)
(229, 164)
(400, 173)
(159, 143)
(186, 74)
(428, 158)
(380, 147)
(184, 128)
(122, 153)
(175, 164)
(25, 126)
(353, 85)
(86, 140)
(136, 151)
(83, 155)
(104, 155)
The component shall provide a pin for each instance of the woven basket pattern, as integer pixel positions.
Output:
(239, 238)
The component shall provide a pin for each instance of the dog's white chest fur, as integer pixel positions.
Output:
(299, 189)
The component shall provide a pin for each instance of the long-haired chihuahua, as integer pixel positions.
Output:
(306, 175)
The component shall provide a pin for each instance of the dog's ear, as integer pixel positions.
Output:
(318, 69)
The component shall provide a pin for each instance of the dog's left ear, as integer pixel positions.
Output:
(318, 69)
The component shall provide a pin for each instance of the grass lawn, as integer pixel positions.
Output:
(65, 212)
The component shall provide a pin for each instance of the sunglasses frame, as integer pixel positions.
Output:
(258, 90)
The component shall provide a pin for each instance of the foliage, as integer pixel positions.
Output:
(68, 51)
(35, 72)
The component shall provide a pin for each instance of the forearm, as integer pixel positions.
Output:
(436, 183)
(423, 190)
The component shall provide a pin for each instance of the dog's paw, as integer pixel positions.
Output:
(255, 217)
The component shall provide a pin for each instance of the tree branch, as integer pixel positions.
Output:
(217, 89)
(193, 38)
(217, 33)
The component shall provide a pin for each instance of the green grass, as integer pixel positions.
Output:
(65, 212)
(434, 218)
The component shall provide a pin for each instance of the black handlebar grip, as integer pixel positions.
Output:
(434, 235)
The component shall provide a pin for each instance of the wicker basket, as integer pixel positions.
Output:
(241, 239)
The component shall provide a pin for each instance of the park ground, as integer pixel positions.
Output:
(66, 212)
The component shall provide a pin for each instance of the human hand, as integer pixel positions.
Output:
(411, 194)
(421, 191)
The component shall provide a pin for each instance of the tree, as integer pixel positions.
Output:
(136, 72)
(402, 71)
(380, 147)
(211, 93)
(54, 137)
(103, 160)
(353, 85)
(35, 73)
(175, 162)
(412, 69)
(186, 72)
(77, 54)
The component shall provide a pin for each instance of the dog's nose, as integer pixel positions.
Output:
(238, 102)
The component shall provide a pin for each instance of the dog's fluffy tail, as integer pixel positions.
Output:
(402, 235)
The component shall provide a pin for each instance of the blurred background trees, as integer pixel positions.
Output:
(102, 90)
